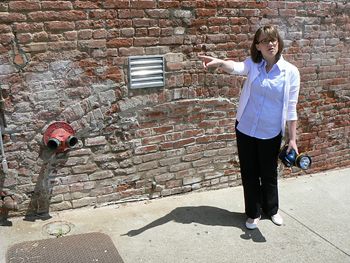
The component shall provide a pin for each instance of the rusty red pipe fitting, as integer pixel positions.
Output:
(9, 203)
(59, 137)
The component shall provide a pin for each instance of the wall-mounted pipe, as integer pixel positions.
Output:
(4, 162)
(2, 125)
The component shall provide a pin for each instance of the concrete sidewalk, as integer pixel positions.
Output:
(209, 226)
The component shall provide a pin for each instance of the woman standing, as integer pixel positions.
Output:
(267, 103)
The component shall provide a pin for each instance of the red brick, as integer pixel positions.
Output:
(206, 139)
(163, 129)
(90, 24)
(146, 41)
(193, 133)
(103, 14)
(153, 140)
(175, 40)
(154, 31)
(24, 5)
(168, 4)
(121, 42)
(143, 4)
(148, 166)
(56, 5)
(184, 142)
(59, 26)
(249, 12)
(148, 124)
(146, 149)
(158, 13)
(172, 184)
(206, 12)
(166, 146)
(225, 137)
(174, 136)
(92, 44)
(72, 15)
(5, 29)
(60, 189)
(22, 38)
(144, 22)
(12, 17)
(207, 124)
(87, 4)
(220, 38)
(131, 13)
(43, 16)
(116, 4)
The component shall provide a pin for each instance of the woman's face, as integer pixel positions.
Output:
(267, 46)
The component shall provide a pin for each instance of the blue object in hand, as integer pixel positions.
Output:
(302, 161)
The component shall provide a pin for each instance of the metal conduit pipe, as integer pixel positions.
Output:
(2, 125)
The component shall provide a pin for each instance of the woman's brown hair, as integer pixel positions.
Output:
(272, 32)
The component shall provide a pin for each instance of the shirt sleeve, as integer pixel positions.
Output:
(293, 94)
(242, 68)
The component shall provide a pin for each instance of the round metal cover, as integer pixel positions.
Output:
(57, 229)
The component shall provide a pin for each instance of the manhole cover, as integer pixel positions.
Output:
(57, 229)
(91, 247)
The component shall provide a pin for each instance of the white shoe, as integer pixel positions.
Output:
(253, 225)
(277, 219)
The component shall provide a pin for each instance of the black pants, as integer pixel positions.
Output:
(259, 161)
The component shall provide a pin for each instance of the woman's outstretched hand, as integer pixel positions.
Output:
(210, 62)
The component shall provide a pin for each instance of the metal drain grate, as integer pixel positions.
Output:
(91, 247)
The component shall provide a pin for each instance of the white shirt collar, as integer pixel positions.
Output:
(280, 63)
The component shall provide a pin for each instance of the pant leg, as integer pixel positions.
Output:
(268, 160)
(248, 158)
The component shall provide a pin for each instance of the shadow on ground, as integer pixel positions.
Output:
(205, 215)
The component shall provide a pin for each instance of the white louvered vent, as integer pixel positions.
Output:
(146, 72)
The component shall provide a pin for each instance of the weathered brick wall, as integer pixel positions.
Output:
(68, 61)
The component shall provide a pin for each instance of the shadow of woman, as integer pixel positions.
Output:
(205, 215)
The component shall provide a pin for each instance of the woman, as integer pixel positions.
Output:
(267, 103)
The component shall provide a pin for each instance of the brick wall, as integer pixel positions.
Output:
(68, 61)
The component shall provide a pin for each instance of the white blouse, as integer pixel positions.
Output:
(291, 86)
(263, 114)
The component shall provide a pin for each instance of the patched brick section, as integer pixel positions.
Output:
(180, 148)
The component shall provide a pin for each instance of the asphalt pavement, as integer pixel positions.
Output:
(209, 226)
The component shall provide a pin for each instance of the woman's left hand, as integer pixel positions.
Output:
(292, 145)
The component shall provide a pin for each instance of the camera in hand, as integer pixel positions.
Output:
(302, 161)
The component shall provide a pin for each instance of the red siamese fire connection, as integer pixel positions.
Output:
(59, 137)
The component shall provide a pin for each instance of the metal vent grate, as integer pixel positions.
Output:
(146, 72)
